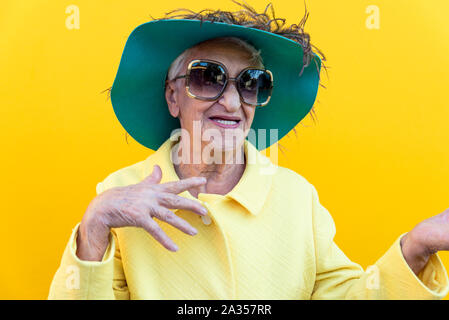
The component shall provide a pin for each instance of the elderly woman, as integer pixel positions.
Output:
(201, 218)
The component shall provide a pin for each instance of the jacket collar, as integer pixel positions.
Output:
(250, 192)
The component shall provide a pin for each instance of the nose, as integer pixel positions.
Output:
(230, 98)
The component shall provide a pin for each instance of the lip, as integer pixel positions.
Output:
(222, 125)
(225, 117)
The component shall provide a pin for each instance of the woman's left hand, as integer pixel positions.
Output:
(425, 239)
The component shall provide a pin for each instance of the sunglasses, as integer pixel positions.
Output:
(208, 79)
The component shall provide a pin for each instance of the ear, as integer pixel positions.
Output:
(171, 98)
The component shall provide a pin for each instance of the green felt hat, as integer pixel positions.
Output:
(138, 94)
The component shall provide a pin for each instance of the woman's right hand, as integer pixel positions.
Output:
(136, 205)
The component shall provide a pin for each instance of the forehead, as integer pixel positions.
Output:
(234, 57)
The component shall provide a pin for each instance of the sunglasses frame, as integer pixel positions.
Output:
(228, 79)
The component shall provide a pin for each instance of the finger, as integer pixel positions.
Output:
(155, 176)
(166, 215)
(173, 201)
(182, 185)
(153, 228)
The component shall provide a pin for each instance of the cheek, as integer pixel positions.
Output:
(193, 111)
(249, 115)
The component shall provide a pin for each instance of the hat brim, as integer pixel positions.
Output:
(138, 96)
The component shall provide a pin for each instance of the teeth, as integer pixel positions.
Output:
(228, 122)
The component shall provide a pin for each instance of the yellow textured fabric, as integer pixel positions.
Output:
(269, 238)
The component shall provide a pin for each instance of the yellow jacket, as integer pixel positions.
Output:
(269, 238)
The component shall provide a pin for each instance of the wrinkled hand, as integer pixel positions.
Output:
(425, 239)
(136, 205)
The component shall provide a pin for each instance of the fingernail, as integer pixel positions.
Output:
(175, 247)
(193, 231)
(204, 211)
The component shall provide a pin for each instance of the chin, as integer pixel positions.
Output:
(227, 145)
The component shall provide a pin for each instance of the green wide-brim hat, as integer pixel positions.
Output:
(138, 91)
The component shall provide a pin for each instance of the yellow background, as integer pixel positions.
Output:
(378, 154)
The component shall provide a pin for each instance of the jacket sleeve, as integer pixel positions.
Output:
(76, 279)
(389, 278)
(96, 280)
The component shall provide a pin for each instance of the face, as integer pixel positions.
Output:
(224, 123)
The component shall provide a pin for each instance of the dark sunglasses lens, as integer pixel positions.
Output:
(206, 79)
(255, 86)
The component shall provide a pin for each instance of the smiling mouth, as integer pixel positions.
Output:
(225, 123)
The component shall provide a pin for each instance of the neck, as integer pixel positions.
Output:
(221, 175)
